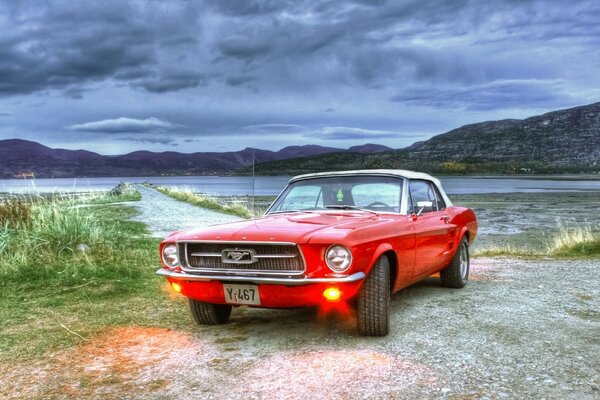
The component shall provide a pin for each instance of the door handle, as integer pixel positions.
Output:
(445, 218)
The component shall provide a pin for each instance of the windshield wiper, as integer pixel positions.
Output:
(290, 211)
(348, 207)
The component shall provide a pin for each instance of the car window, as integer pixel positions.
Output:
(302, 198)
(422, 191)
(380, 196)
(441, 204)
(373, 192)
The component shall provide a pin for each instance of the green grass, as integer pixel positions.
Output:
(189, 196)
(579, 242)
(51, 292)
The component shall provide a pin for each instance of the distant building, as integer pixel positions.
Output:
(25, 175)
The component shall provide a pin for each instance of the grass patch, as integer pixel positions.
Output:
(187, 195)
(54, 291)
(579, 242)
(507, 251)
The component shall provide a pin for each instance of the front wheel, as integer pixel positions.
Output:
(209, 314)
(374, 301)
(456, 274)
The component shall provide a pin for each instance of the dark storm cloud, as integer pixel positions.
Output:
(49, 53)
(243, 47)
(253, 69)
(240, 80)
(248, 7)
(173, 81)
(489, 96)
(125, 125)
(66, 45)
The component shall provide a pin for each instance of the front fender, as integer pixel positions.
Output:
(382, 248)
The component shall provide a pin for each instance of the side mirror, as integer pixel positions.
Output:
(422, 205)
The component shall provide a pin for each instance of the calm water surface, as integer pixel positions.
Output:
(272, 185)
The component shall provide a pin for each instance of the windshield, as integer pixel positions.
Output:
(375, 193)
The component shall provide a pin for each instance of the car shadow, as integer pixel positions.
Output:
(305, 324)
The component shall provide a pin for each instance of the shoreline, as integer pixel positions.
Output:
(568, 177)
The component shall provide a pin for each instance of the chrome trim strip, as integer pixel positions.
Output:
(275, 256)
(237, 242)
(296, 272)
(275, 201)
(405, 196)
(205, 254)
(187, 259)
(357, 276)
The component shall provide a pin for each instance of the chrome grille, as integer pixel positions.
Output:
(239, 258)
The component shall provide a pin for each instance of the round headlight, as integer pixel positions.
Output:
(169, 255)
(338, 258)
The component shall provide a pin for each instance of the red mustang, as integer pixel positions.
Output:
(352, 236)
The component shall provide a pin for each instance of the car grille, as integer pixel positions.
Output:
(239, 258)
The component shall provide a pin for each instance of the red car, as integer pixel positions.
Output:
(338, 238)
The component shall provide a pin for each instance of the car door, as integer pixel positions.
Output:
(431, 226)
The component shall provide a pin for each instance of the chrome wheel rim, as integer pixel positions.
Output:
(464, 262)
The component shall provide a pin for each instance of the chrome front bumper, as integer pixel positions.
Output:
(357, 276)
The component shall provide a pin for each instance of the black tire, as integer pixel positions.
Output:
(209, 314)
(374, 301)
(456, 274)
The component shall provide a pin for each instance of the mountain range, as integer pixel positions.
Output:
(23, 157)
(563, 141)
(556, 142)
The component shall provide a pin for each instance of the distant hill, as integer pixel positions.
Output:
(21, 156)
(564, 141)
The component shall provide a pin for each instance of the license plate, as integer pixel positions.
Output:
(241, 294)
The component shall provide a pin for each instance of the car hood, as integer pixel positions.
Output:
(295, 228)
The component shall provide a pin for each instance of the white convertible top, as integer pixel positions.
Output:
(402, 173)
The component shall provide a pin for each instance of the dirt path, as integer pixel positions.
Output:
(519, 330)
(164, 215)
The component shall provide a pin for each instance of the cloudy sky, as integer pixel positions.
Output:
(220, 75)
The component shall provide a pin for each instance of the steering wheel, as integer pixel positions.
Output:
(378, 204)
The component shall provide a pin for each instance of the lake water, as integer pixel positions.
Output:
(272, 185)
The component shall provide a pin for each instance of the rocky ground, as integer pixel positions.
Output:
(520, 329)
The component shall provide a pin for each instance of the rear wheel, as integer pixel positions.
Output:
(374, 301)
(209, 314)
(456, 274)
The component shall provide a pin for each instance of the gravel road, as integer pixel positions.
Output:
(164, 215)
(520, 329)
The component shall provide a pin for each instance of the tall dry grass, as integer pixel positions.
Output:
(187, 195)
(569, 241)
(574, 242)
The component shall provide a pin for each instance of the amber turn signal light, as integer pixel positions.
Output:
(176, 287)
(332, 294)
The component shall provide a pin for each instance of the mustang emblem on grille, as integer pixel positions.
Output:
(235, 256)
